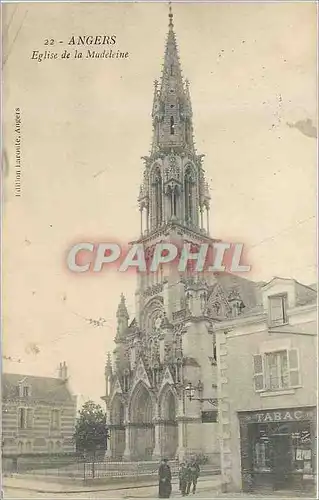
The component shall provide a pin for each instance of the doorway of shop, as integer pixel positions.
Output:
(281, 463)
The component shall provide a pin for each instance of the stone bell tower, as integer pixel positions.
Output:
(169, 344)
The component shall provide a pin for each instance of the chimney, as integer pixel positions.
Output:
(63, 371)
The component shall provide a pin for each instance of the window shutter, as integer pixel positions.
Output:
(294, 372)
(258, 372)
(29, 418)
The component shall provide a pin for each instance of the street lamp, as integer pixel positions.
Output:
(190, 391)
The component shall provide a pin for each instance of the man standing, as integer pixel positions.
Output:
(184, 478)
(194, 472)
(165, 480)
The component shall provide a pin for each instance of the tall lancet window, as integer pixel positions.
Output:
(158, 198)
(172, 126)
(188, 191)
(174, 208)
(172, 70)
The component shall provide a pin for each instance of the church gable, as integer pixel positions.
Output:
(141, 375)
(167, 379)
(117, 387)
(217, 304)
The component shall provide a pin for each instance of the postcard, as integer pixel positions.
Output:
(159, 289)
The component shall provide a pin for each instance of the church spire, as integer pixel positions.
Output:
(173, 189)
(122, 318)
(172, 117)
(122, 310)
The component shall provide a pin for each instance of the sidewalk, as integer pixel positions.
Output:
(18, 482)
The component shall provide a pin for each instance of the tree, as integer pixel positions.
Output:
(91, 432)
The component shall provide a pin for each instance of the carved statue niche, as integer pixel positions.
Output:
(216, 309)
(235, 302)
(203, 302)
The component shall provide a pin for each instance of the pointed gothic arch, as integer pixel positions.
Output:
(141, 414)
(167, 403)
(152, 310)
(141, 404)
(167, 409)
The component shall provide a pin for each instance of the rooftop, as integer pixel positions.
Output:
(47, 389)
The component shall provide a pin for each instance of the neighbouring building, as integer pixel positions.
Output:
(170, 342)
(38, 414)
(267, 389)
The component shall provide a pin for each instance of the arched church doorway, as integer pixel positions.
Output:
(169, 428)
(142, 427)
(117, 428)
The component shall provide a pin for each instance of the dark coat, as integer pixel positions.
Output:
(165, 481)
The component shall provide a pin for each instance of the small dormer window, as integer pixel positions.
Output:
(277, 307)
(24, 390)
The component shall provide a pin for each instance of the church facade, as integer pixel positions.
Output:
(170, 343)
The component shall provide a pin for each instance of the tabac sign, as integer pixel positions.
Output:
(280, 415)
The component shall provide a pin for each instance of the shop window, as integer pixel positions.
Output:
(277, 306)
(302, 449)
(286, 444)
(277, 370)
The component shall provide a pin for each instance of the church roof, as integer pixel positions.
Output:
(249, 291)
(42, 388)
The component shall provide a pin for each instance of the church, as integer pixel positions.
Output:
(161, 385)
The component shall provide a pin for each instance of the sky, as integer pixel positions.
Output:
(85, 124)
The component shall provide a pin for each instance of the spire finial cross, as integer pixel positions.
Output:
(170, 15)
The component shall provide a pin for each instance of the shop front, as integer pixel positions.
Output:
(278, 449)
